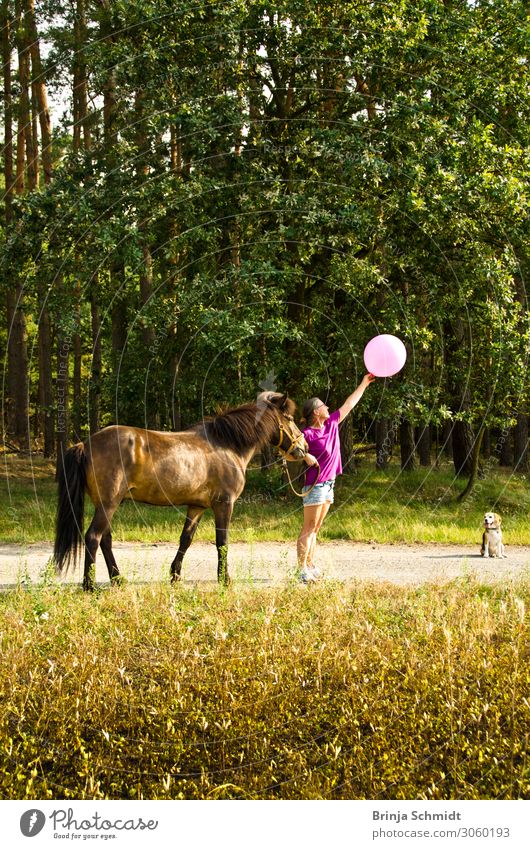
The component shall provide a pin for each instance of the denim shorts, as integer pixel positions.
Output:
(320, 493)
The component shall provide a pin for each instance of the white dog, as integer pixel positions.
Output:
(492, 545)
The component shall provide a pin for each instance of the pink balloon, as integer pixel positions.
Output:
(385, 355)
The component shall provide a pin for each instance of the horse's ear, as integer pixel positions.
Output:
(274, 398)
(281, 401)
(265, 398)
(287, 405)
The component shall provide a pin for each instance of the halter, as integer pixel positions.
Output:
(294, 442)
(293, 445)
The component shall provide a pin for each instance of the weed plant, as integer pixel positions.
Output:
(352, 691)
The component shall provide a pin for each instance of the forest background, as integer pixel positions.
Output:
(237, 196)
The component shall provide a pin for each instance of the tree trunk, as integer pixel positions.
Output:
(458, 343)
(486, 443)
(17, 334)
(173, 377)
(17, 369)
(9, 402)
(35, 133)
(473, 463)
(81, 128)
(45, 330)
(28, 47)
(21, 135)
(423, 444)
(406, 440)
(463, 441)
(447, 439)
(152, 413)
(384, 439)
(76, 376)
(45, 387)
(63, 358)
(346, 433)
(25, 125)
(520, 443)
(506, 448)
(81, 124)
(39, 85)
(119, 328)
(109, 113)
(94, 394)
(119, 317)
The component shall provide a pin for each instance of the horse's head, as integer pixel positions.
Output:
(289, 439)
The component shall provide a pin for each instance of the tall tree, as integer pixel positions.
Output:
(17, 365)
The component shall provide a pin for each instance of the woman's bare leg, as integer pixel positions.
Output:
(303, 543)
(322, 515)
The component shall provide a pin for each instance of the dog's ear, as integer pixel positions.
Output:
(498, 519)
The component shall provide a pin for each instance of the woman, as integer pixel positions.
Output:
(322, 437)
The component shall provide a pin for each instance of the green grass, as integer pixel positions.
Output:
(384, 506)
(339, 691)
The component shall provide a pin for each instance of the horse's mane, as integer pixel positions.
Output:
(244, 427)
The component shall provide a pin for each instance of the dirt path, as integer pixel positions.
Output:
(273, 562)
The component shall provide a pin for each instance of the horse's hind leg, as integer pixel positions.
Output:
(108, 554)
(193, 518)
(99, 526)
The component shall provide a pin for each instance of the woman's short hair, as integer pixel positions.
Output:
(308, 409)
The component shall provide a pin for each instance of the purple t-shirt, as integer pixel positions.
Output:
(323, 443)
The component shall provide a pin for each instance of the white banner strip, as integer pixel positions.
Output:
(271, 824)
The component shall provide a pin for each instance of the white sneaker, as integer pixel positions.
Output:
(316, 572)
(307, 576)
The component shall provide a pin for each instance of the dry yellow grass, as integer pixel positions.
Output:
(324, 692)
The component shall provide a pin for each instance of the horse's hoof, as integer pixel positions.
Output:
(89, 578)
(118, 581)
(175, 579)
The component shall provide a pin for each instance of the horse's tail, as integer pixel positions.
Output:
(71, 479)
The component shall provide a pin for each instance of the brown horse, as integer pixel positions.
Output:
(202, 467)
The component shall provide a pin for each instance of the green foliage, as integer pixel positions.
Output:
(303, 176)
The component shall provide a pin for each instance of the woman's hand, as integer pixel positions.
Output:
(310, 460)
(368, 379)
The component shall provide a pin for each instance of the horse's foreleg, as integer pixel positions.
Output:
(223, 513)
(108, 554)
(193, 518)
(99, 525)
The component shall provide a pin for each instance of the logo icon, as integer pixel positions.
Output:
(32, 822)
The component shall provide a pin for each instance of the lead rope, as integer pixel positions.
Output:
(300, 494)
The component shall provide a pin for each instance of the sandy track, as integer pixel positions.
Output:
(273, 562)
